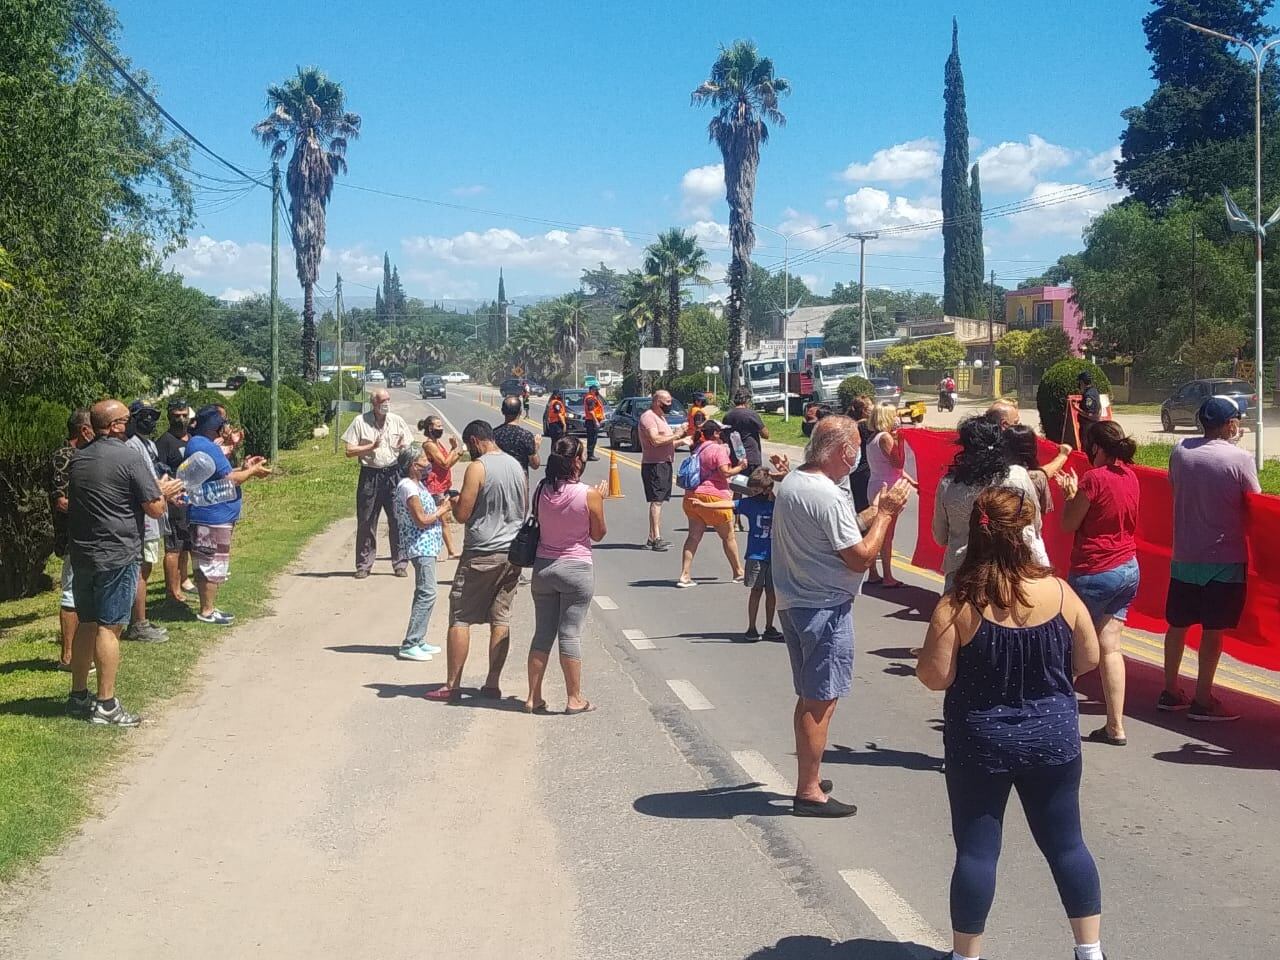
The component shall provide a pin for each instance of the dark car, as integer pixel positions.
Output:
(395, 379)
(1180, 410)
(886, 390)
(574, 409)
(623, 428)
(432, 385)
(236, 382)
(512, 387)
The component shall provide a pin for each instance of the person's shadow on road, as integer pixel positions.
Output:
(715, 803)
(820, 948)
(470, 696)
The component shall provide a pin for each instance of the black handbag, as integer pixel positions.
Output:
(524, 548)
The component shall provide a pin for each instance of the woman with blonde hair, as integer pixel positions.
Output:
(886, 455)
(1006, 644)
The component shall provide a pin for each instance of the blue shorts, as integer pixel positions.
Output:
(105, 597)
(1109, 593)
(820, 643)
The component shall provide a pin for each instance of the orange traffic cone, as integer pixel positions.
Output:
(615, 481)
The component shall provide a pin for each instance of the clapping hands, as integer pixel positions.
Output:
(1069, 483)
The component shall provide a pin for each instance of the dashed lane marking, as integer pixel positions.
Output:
(898, 917)
(606, 603)
(639, 640)
(689, 695)
(763, 772)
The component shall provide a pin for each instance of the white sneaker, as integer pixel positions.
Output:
(685, 584)
(429, 647)
(413, 653)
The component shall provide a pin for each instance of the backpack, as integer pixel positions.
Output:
(689, 476)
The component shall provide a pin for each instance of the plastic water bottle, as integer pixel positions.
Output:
(211, 492)
(739, 449)
(195, 470)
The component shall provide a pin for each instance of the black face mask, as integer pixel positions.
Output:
(435, 434)
(666, 407)
(144, 423)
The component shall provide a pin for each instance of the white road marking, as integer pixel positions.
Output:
(448, 425)
(763, 772)
(606, 603)
(689, 695)
(639, 640)
(895, 913)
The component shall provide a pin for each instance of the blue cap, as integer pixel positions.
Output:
(1217, 411)
(208, 418)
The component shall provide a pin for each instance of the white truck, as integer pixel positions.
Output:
(762, 375)
(827, 375)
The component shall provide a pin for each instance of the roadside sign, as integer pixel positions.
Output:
(1245, 370)
(517, 371)
(655, 358)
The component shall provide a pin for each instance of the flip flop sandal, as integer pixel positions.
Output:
(443, 695)
(570, 711)
(539, 708)
(492, 692)
(1101, 736)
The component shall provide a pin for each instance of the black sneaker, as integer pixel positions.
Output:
(752, 635)
(772, 633)
(659, 545)
(832, 809)
(1172, 702)
(80, 707)
(116, 717)
(1215, 712)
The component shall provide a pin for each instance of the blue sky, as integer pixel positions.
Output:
(579, 115)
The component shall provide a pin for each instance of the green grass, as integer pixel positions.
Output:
(1157, 455)
(49, 763)
(784, 432)
(1145, 409)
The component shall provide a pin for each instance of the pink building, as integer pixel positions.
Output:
(1035, 308)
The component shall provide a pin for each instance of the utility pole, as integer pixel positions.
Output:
(275, 311)
(991, 334)
(1193, 284)
(337, 417)
(862, 239)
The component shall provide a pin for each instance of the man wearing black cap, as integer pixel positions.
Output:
(172, 449)
(142, 423)
(212, 524)
(1090, 401)
(1211, 479)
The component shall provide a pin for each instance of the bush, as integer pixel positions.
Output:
(851, 387)
(203, 398)
(30, 431)
(1058, 383)
(253, 412)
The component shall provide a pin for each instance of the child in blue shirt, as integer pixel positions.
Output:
(757, 507)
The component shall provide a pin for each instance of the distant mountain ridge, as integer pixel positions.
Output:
(461, 306)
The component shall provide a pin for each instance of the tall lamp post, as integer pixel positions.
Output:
(1259, 229)
(787, 309)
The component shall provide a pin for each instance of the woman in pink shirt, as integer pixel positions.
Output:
(570, 517)
(710, 504)
(1102, 510)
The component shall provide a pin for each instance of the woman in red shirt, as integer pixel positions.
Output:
(1102, 509)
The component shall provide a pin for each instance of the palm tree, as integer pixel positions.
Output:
(569, 322)
(642, 307)
(308, 110)
(745, 92)
(676, 258)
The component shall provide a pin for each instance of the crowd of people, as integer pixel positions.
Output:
(119, 508)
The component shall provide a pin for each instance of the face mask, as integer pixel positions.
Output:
(665, 407)
(435, 434)
(145, 423)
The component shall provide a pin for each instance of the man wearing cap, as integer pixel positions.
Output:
(142, 423)
(212, 525)
(377, 438)
(1090, 401)
(172, 449)
(1211, 479)
(109, 491)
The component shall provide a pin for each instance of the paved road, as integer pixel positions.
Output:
(308, 801)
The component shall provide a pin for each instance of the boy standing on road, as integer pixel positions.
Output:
(1211, 479)
(757, 507)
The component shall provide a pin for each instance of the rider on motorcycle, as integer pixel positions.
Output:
(946, 392)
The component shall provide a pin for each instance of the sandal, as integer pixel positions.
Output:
(540, 708)
(572, 712)
(1102, 736)
(443, 695)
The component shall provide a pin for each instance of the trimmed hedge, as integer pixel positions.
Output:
(851, 387)
(30, 431)
(252, 410)
(1058, 383)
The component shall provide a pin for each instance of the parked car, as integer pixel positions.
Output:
(456, 376)
(395, 379)
(375, 376)
(623, 427)
(236, 382)
(512, 387)
(432, 385)
(886, 390)
(1180, 410)
(574, 409)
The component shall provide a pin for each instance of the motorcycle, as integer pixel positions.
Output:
(946, 400)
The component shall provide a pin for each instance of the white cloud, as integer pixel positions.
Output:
(710, 231)
(805, 230)
(700, 187)
(901, 163)
(1103, 164)
(1013, 165)
(560, 252)
(1068, 208)
(873, 209)
(234, 294)
(207, 257)
(470, 190)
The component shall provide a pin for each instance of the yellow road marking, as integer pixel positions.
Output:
(622, 457)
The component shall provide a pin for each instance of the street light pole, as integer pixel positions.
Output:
(786, 306)
(1258, 229)
(862, 239)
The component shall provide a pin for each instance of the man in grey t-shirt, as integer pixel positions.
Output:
(819, 558)
(491, 505)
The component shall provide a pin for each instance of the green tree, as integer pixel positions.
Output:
(309, 110)
(939, 353)
(766, 297)
(1195, 132)
(961, 230)
(1212, 353)
(677, 258)
(898, 356)
(1048, 346)
(744, 91)
(1011, 350)
(841, 332)
(703, 338)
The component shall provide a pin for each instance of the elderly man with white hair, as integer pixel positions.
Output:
(821, 551)
(377, 438)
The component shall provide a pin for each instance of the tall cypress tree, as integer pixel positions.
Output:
(975, 240)
(379, 308)
(388, 292)
(960, 297)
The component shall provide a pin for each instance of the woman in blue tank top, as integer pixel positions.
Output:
(1006, 644)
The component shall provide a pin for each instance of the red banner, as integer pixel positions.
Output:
(1256, 641)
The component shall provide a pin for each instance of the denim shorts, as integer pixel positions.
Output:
(105, 597)
(1109, 593)
(820, 643)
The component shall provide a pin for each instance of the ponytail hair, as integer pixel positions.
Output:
(562, 465)
(1108, 436)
